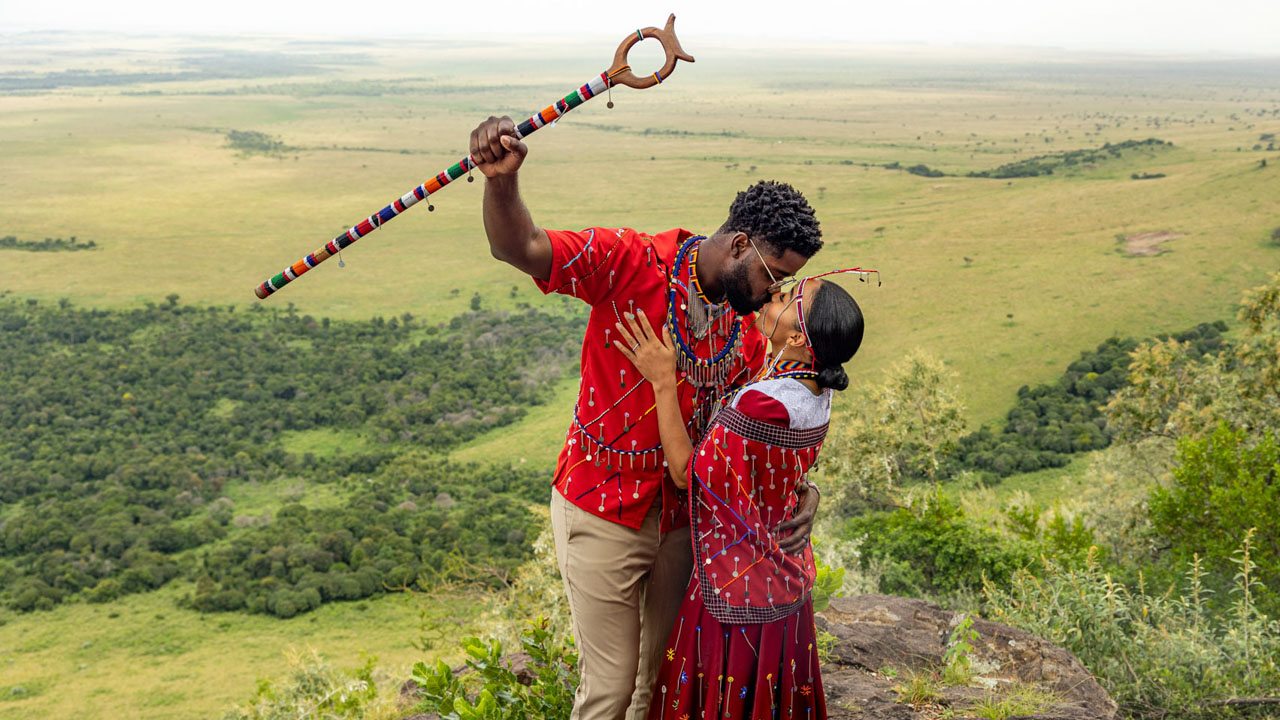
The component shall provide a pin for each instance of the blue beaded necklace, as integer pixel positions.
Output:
(703, 370)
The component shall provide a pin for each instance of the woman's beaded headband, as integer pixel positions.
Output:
(799, 298)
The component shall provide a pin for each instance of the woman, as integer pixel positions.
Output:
(743, 647)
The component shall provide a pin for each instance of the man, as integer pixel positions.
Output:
(621, 531)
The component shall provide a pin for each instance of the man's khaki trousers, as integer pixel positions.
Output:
(625, 587)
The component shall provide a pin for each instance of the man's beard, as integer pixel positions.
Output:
(737, 290)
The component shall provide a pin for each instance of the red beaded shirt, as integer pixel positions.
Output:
(612, 463)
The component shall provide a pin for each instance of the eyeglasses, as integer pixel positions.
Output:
(775, 285)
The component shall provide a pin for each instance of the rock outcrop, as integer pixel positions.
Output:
(880, 639)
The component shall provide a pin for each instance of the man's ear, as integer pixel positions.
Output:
(739, 244)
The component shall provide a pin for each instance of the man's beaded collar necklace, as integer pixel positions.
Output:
(701, 317)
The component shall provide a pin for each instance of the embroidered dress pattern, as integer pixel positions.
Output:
(744, 646)
(746, 471)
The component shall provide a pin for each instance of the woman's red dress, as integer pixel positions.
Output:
(744, 646)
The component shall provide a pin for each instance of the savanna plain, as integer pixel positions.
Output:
(200, 166)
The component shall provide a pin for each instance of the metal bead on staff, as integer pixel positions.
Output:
(619, 73)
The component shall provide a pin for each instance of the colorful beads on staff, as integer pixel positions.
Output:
(554, 112)
(564, 105)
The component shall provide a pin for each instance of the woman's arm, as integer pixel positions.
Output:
(655, 358)
(676, 446)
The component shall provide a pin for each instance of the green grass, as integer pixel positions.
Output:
(919, 687)
(1042, 486)
(224, 407)
(324, 442)
(255, 498)
(1018, 699)
(143, 657)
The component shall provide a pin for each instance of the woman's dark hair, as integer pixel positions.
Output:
(834, 323)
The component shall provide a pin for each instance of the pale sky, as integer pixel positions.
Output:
(1230, 27)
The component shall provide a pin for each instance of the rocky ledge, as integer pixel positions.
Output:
(886, 647)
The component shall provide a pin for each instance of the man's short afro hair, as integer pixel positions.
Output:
(775, 213)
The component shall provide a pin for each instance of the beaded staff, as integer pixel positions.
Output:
(618, 74)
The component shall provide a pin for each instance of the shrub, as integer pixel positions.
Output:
(906, 429)
(925, 171)
(826, 584)
(957, 665)
(249, 142)
(1221, 484)
(492, 692)
(315, 690)
(1161, 654)
(227, 600)
(105, 591)
(931, 548)
(35, 595)
(1172, 392)
(282, 605)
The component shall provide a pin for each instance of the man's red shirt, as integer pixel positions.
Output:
(611, 464)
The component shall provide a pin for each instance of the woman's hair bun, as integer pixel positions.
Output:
(834, 324)
(833, 377)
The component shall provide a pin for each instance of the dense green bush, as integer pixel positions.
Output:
(931, 548)
(903, 430)
(251, 142)
(385, 536)
(1046, 164)
(1052, 421)
(925, 171)
(120, 429)
(10, 242)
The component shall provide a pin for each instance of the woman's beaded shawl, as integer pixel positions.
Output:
(742, 479)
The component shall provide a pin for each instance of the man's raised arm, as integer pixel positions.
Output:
(513, 238)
